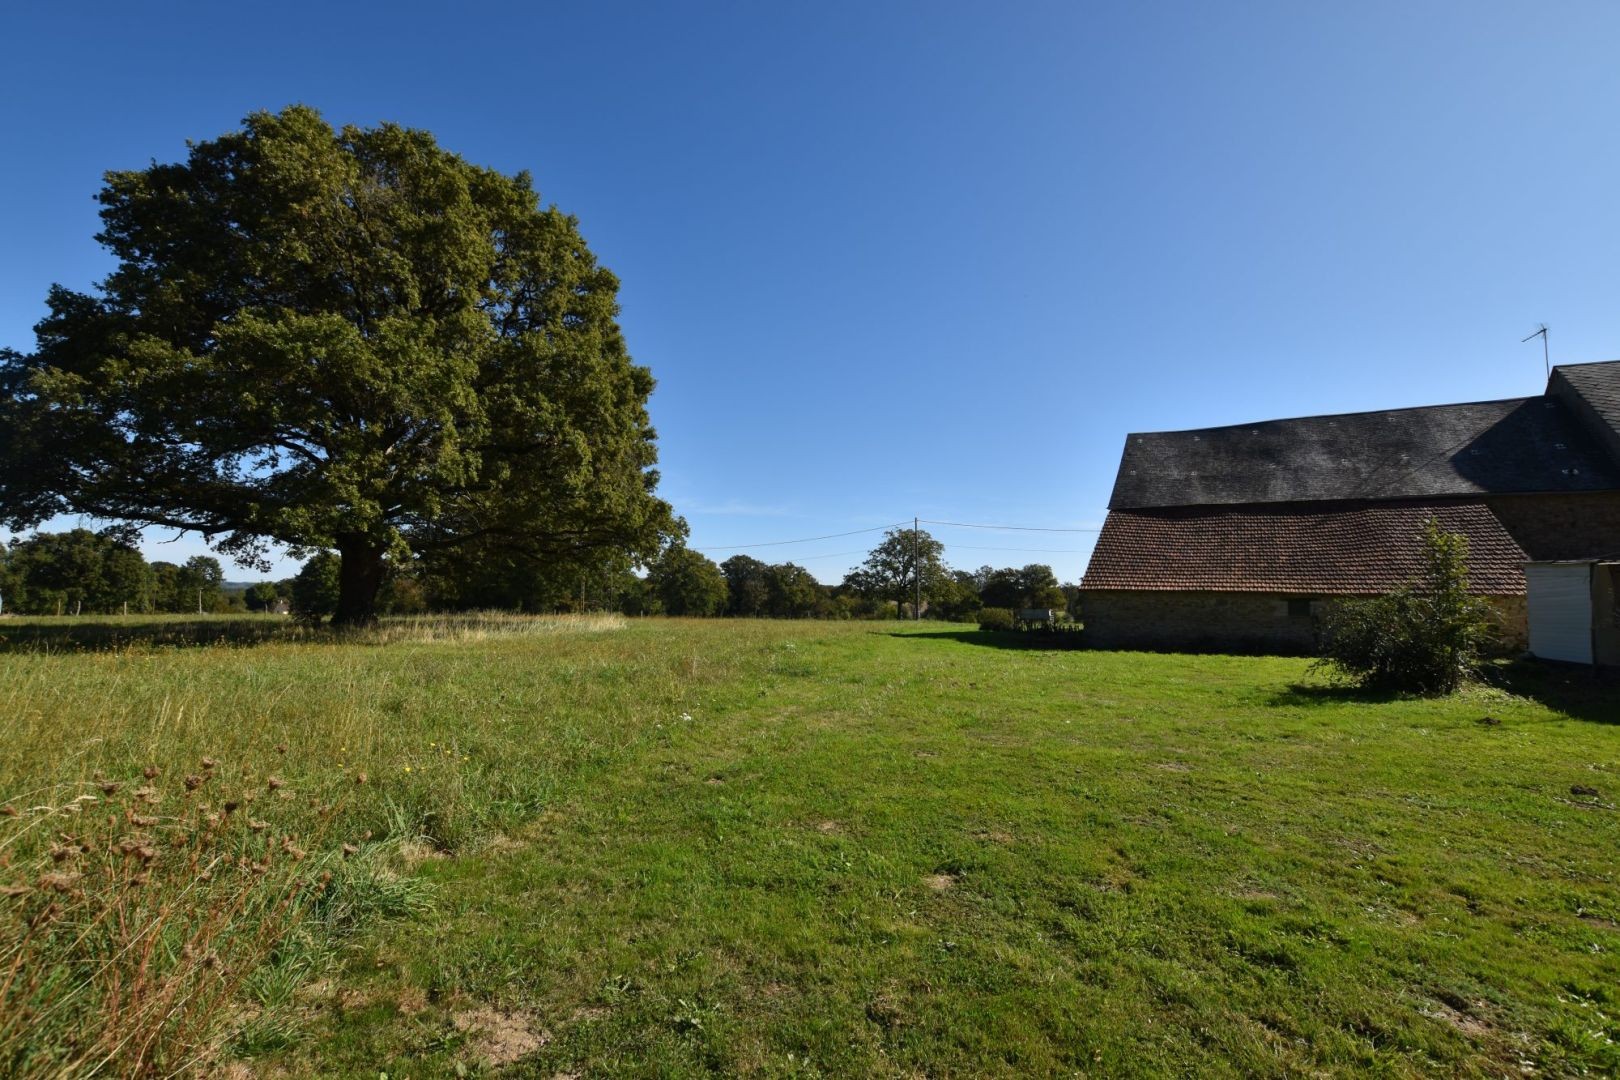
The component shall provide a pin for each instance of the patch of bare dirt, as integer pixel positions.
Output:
(831, 828)
(411, 1001)
(994, 836)
(586, 1013)
(500, 1036)
(886, 1010)
(1173, 766)
(319, 990)
(354, 998)
(940, 882)
(1467, 1023)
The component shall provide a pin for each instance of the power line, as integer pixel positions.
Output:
(1006, 528)
(900, 525)
(806, 540)
(831, 555)
(1046, 551)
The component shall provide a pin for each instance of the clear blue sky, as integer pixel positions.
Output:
(934, 258)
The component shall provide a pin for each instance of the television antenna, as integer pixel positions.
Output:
(1546, 358)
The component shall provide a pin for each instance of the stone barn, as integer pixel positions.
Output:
(1234, 538)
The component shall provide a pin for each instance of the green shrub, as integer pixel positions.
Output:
(1426, 637)
(995, 618)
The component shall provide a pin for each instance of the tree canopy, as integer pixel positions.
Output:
(746, 585)
(687, 582)
(906, 560)
(1033, 586)
(88, 572)
(337, 339)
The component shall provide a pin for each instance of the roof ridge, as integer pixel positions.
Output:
(1360, 412)
(1586, 363)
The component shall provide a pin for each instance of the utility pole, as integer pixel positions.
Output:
(916, 559)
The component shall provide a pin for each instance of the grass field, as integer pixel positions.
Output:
(667, 848)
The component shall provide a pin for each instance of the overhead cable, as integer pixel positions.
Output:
(1047, 551)
(1007, 528)
(806, 540)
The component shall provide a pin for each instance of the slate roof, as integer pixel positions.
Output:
(1519, 445)
(1319, 549)
(1592, 392)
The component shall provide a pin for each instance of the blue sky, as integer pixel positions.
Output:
(935, 259)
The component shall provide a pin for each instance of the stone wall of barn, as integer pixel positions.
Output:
(1572, 526)
(1192, 621)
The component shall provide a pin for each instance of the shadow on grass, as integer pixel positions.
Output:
(1577, 692)
(1051, 641)
(1308, 694)
(1580, 692)
(43, 635)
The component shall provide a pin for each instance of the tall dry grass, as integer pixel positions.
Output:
(125, 963)
(135, 917)
(483, 625)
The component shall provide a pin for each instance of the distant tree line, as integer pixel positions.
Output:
(85, 572)
(906, 567)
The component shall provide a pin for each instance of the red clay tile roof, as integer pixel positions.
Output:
(1340, 548)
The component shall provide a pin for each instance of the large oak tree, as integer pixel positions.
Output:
(908, 561)
(337, 339)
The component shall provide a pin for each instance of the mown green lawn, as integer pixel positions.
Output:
(683, 847)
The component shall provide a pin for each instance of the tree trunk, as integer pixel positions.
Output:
(360, 572)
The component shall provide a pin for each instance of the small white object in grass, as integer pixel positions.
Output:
(686, 716)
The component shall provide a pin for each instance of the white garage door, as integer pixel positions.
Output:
(1560, 611)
